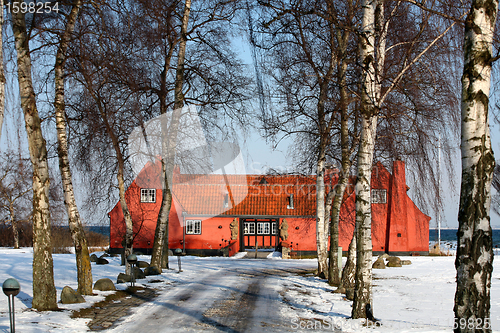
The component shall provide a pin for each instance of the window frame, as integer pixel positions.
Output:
(148, 195)
(376, 195)
(193, 227)
(251, 228)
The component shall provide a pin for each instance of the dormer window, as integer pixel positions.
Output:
(226, 200)
(290, 202)
(148, 195)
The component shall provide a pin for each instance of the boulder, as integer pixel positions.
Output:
(383, 256)
(170, 253)
(339, 290)
(405, 262)
(142, 264)
(93, 257)
(379, 264)
(138, 273)
(394, 262)
(70, 296)
(138, 253)
(349, 294)
(104, 285)
(122, 278)
(152, 270)
(101, 261)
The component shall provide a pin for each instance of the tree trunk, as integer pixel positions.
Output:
(159, 257)
(333, 267)
(13, 223)
(349, 271)
(44, 291)
(474, 261)
(84, 269)
(321, 240)
(369, 94)
(2, 71)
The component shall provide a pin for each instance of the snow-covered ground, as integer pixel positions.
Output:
(414, 298)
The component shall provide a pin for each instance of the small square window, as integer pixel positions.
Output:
(193, 227)
(148, 195)
(249, 228)
(263, 228)
(379, 196)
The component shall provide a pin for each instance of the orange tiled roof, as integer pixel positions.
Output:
(251, 194)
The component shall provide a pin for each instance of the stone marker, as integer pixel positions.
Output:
(142, 264)
(70, 296)
(379, 264)
(152, 270)
(101, 261)
(104, 285)
(122, 278)
(394, 262)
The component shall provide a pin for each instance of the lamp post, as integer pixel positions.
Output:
(132, 259)
(11, 288)
(178, 253)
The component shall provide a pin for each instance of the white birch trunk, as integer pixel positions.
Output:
(159, 256)
(321, 240)
(44, 291)
(84, 269)
(474, 253)
(369, 94)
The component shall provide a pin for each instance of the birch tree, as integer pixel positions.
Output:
(474, 260)
(376, 88)
(304, 41)
(44, 291)
(84, 269)
(159, 257)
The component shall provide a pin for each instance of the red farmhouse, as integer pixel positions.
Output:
(209, 217)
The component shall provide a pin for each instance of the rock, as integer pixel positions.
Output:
(170, 253)
(138, 253)
(152, 270)
(339, 290)
(383, 256)
(122, 278)
(405, 262)
(93, 257)
(101, 261)
(104, 285)
(70, 296)
(349, 294)
(394, 262)
(104, 255)
(379, 264)
(138, 273)
(142, 264)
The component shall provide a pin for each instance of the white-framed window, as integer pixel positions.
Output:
(249, 228)
(273, 228)
(148, 195)
(290, 202)
(263, 228)
(379, 196)
(193, 227)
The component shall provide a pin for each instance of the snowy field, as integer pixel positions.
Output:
(414, 298)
